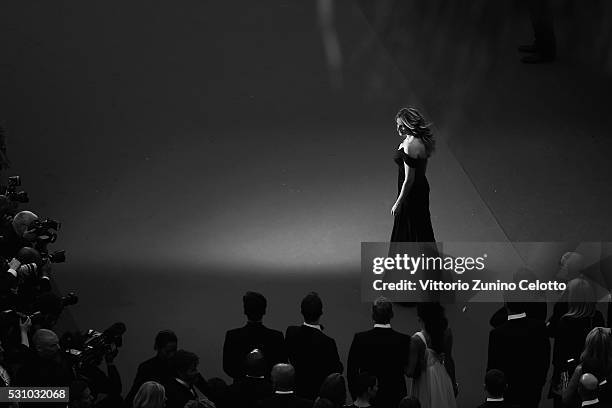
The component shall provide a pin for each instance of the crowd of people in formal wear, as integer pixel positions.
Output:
(300, 367)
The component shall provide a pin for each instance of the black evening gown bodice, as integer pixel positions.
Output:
(412, 219)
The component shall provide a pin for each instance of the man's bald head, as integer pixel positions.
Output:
(46, 343)
(589, 386)
(283, 377)
(22, 220)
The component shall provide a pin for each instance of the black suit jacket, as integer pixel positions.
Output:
(314, 355)
(285, 401)
(605, 392)
(521, 349)
(177, 394)
(154, 369)
(497, 404)
(39, 372)
(239, 342)
(383, 353)
(534, 310)
(10, 242)
(247, 392)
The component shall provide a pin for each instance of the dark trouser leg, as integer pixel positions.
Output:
(542, 21)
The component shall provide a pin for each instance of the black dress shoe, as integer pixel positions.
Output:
(537, 58)
(527, 48)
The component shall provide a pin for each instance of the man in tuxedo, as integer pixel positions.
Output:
(536, 308)
(283, 380)
(254, 335)
(254, 387)
(313, 354)
(520, 348)
(382, 352)
(495, 387)
(181, 388)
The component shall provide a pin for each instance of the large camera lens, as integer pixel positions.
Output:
(58, 257)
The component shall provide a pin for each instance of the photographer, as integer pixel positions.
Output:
(15, 341)
(105, 385)
(46, 309)
(18, 234)
(89, 350)
(9, 279)
(46, 366)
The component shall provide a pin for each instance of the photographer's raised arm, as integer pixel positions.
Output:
(24, 327)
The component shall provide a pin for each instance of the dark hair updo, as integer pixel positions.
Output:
(418, 127)
(435, 323)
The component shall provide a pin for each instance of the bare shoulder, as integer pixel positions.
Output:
(415, 148)
(417, 340)
(419, 149)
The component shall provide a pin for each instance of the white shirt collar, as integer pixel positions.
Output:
(314, 326)
(495, 399)
(517, 316)
(283, 392)
(383, 326)
(182, 382)
(604, 382)
(590, 402)
(255, 376)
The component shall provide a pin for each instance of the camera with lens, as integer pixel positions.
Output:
(44, 230)
(53, 257)
(90, 347)
(46, 233)
(11, 316)
(11, 193)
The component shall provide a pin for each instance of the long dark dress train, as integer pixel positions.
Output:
(412, 219)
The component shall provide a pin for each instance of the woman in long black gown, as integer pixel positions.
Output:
(411, 209)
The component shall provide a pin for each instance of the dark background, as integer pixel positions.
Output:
(195, 149)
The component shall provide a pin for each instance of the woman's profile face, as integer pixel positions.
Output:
(402, 129)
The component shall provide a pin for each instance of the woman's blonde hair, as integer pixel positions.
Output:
(581, 298)
(150, 395)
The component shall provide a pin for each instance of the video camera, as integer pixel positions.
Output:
(10, 190)
(90, 347)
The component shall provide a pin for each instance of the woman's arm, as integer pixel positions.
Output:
(449, 363)
(570, 393)
(416, 350)
(406, 185)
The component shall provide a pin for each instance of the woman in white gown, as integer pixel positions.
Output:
(431, 365)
